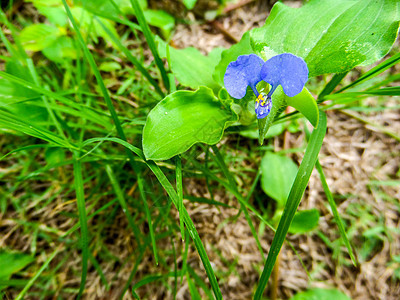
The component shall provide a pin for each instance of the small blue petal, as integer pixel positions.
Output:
(287, 70)
(263, 106)
(240, 74)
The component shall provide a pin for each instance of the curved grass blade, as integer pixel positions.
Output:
(13, 122)
(293, 201)
(88, 113)
(80, 198)
(150, 41)
(33, 279)
(335, 212)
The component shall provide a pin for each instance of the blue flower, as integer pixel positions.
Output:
(287, 70)
(243, 72)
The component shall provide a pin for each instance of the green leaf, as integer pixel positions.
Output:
(88, 26)
(107, 9)
(321, 294)
(109, 66)
(229, 55)
(55, 14)
(12, 262)
(54, 155)
(160, 19)
(304, 221)
(332, 36)
(182, 119)
(37, 37)
(61, 49)
(306, 104)
(295, 195)
(190, 67)
(277, 176)
(189, 4)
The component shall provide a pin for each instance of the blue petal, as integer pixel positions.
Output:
(287, 70)
(240, 74)
(263, 106)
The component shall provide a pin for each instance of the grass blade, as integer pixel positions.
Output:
(33, 279)
(232, 183)
(96, 72)
(174, 197)
(80, 198)
(122, 202)
(336, 79)
(179, 191)
(383, 66)
(150, 40)
(294, 198)
(335, 212)
(148, 216)
(132, 59)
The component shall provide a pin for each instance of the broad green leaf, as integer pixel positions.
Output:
(321, 294)
(190, 67)
(277, 176)
(229, 55)
(12, 262)
(189, 4)
(182, 119)
(331, 36)
(304, 221)
(37, 37)
(160, 19)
